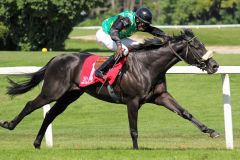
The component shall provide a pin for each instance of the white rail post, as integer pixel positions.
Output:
(227, 111)
(48, 134)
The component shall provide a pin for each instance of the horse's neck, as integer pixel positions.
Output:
(172, 58)
(153, 62)
(160, 60)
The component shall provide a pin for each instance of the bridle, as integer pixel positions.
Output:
(200, 60)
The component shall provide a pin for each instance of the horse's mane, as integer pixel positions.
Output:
(149, 44)
(155, 43)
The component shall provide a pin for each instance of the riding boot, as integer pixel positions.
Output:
(101, 71)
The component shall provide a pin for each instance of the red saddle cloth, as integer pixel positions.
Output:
(91, 64)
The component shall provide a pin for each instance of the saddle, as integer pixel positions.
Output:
(100, 61)
(91, 64)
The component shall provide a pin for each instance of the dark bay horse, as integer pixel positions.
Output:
(142, 81)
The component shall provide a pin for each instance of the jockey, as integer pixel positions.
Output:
(115, 30)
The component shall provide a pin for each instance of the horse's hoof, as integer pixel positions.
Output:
(37, 145)
(135, 147)
(4, 124)
(214, 134)
(1, 122)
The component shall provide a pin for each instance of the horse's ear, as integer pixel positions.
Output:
(188, 31)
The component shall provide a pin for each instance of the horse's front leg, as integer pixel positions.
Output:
(133, 106)
(166, 100)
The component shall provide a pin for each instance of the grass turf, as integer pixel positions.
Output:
(92, 129)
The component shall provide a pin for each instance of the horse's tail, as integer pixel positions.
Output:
(24, 86)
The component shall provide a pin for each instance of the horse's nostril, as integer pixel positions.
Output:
(215, 67)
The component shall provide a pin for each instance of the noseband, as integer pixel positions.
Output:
(199, 59)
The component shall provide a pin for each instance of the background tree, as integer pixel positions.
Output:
(195, 12)
(3, 36)
(177, 12)
(34, 24)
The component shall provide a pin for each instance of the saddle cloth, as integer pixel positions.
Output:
(91, 64)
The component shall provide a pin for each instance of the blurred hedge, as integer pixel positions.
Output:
(5, 43)
(34, 24)
(3, 32)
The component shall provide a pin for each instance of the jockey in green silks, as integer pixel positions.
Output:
(116, 30)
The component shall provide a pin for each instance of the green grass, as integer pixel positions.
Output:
(215, 36)
(85, 46)
(212, 36)
(224, 36)
(162, 154)
(92, 129)
(82, 32)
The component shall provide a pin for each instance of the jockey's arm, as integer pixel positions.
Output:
(118, 25)
(156, 32)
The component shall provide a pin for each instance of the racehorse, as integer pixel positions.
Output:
(142, 80)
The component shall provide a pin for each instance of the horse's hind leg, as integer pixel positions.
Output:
(57, 109)
(38, 102)
(47, 95)
(29, 107)
(169, 102)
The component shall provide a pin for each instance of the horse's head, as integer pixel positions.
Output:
(194, 53)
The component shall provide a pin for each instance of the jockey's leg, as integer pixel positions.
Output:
(106, 41)
(102, 70)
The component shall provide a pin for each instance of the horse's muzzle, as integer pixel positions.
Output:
(211, 66)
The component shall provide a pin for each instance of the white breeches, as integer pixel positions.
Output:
(105, 40)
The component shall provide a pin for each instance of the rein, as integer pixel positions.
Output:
(187, 50)
(176, 54)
